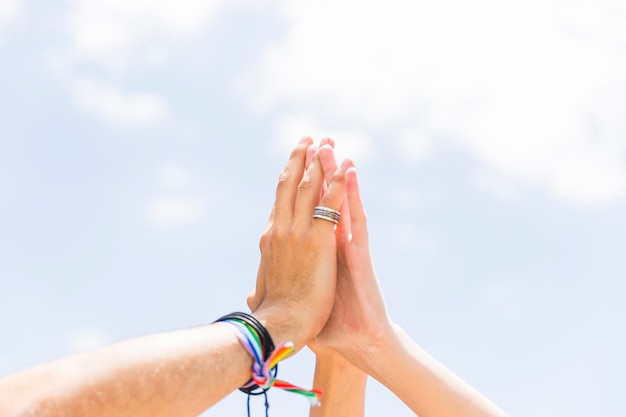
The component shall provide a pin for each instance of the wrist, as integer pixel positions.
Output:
(280, 327)
(367, 354)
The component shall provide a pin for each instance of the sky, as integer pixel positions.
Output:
(140, 143)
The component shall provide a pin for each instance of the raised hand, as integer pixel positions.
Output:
(360, 331)
(297, 275)
(359, 318)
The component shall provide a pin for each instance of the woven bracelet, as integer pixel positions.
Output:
(259, 344)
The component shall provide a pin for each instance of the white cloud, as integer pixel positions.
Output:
(119, 107)
(348, 143)
(86, 339)
(173, 211)
(109, 36)
(112, 30)
(414, 143)
(8, 9)
(535, 89)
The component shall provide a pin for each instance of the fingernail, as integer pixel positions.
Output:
(304, 139)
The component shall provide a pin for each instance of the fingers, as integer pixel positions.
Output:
(335, 194)
(329, 166)
(288, 181)
(344, 229)
(310, 153)
(329, 163)
(308, 193)
(285, 194)
(358, 220)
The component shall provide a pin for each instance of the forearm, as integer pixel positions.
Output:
(172, 374)
(424, 384)
(343, 387)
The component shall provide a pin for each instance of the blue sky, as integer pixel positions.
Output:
(140, 142)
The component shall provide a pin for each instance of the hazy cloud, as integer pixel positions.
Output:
(109, 36)
(534, 89)
(349, 143)
(8, 9)
(173, 211)
(415, 143)
(117, 106)
(497, 184)
(110, 31)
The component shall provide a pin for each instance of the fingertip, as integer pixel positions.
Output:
(305, 139)
(351, 174)
(327, 141)
(347, 163)
(352, 183)
(327, 157)
(341, 172)
(326, 148)
(310, 154)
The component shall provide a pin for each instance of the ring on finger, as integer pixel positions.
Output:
(326, 213)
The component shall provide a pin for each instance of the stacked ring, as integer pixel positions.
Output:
(326, 213)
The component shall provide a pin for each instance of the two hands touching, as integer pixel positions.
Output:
(350, 324)
(315, 285)
(324, 272)
(323, 277)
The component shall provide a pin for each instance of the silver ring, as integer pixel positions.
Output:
(326, 213)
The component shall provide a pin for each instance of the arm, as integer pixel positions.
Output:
(423, 383)
(361, 331)
(171, 374)
(343, 386)
(342, 383)
(182, 373)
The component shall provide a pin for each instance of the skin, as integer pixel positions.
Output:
(360, 330)
(359, 339)
(183, 373)
(342, 383)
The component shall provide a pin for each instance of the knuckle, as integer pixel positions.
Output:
(338, 176)
(305, 183)
(294, 238)
(283, 180)
(278, 236)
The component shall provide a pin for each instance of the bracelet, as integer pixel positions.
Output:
(259, 350)
(259, 344)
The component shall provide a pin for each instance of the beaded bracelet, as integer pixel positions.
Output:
(259, 344)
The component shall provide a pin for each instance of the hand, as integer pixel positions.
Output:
(359, 319)
(297, 274)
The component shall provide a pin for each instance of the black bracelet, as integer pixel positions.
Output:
(266, 342)
(264, 335)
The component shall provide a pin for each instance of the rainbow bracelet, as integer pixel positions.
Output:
(255, 339)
